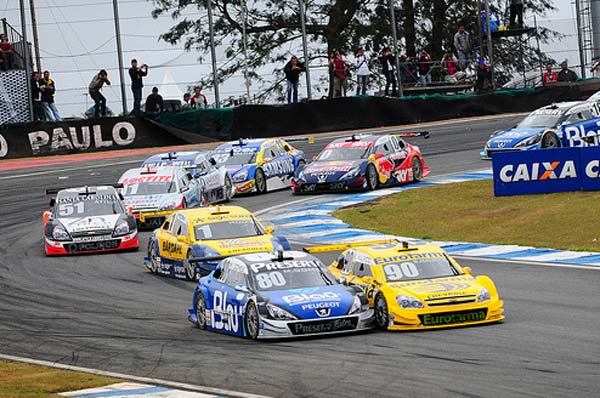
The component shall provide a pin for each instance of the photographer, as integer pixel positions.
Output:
(136, 75)
(362, 71)
(94, 90)
(292, 74)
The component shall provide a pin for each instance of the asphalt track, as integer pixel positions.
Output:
(106, 312)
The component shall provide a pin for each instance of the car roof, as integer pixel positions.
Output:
(359, 137)
(243, 145)
(215, 214)
(91, 190)
(561, 106)
(166, 170)
(167, 157)
(396, 252)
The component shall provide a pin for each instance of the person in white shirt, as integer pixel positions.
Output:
(362, 71)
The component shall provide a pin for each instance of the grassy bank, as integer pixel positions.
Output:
(20, 380)
(469, 212)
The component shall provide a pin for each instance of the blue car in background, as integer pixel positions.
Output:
(277, 295)
(552, 126)
(261, 165)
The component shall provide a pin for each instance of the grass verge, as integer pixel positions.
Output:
(470, 212)
(21, 380)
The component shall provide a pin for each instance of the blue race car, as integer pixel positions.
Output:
(261, 165)
(542, 128)
(277, 295)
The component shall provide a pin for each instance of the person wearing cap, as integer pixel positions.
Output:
(136, 74)
(154, 102)
(566, 74)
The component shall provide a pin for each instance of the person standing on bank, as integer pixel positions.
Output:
(37, 89)
(292, 72)
(94, 90)
(199, 100)
(136, 75)
(48, 105)
(462, 43)
(566, 74)
(362, 71)
(516, 13)
(154, 102)
(389, 71)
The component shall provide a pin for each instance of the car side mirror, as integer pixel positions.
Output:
(183, 239)
(121, 196)
(270, 230)
(129, 209)
(241, 288)
(47, 216)
(342, 280)
(52, 202)
(467, 270)
(212, 161)
(184, 189)
(286, 148)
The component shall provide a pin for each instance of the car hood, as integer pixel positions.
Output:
(151, 201)
(509, 138)
(90, 224)
(439, 290)
(226, 247)
(313, 303)
(329, 171)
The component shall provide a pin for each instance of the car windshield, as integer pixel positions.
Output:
(292, 274)
(344, 153)
(75, 205)
(228, 230)
(419, 268)
(149, 188)
(540, 120)
(229, 159)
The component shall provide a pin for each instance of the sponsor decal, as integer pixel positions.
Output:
(350, 144)
(84, 198)
(172, 248)
(328, 170)
(321, 305)
(92, 246)
(143, 179)
(225, 316)
(122, 134)
(406, 257)
(323, 312)
(303, 298)
(288, 264)
(279, 167)
(323, 326)
(450, 318)
(242, 243)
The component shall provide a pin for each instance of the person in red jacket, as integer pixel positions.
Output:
(550, 76)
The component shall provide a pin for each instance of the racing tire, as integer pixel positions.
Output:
(372, 178)
(382, 314)
(152, 256)
(227, 187)
(260, 181)
(417, 169)
(251, 321)
(190, 268)
(550, 140)
(200, 311)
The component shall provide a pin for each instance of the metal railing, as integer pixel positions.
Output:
(16, 39)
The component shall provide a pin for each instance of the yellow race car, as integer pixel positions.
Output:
(415, 287)
(209, 234)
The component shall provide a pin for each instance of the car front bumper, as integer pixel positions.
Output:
(55, 248)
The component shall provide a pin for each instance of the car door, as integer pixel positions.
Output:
(170, 245)
(225, 301)
(383, 151)
(190, 187)
(285, 160)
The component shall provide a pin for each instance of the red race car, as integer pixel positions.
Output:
(363, 162)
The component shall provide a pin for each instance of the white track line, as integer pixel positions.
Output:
(538, 263)
(149, 380)
(40, 173)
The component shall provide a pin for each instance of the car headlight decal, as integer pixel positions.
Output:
(356, 305)
(279, 313)
(60, 233)
(122, 228)
(483, 296)
(351, 174)
(240, 176)
(405, 301)
(529, 141)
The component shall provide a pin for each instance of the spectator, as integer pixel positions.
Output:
(340, 73)
(462, 43)
(450, 63)
(94, 90)
(48, 105)
(154, 102)
(389, 71)
(37, 89)
(484, 78)
(566, 74)
(6, 53)
(424, 69)
(407, 70)
(187, 104)
(292, 72)
(516, 13)
(136, 74)
(550, 76)
(199, 100)
(362, 71)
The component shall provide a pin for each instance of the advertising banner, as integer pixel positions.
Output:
(546, 171)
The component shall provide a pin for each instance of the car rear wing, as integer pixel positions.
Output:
(424, 134)
(55, 190)
(402, 246)
(310, 139)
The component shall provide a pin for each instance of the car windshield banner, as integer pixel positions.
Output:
(546, 171)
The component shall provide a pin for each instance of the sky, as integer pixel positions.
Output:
(77, 38)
